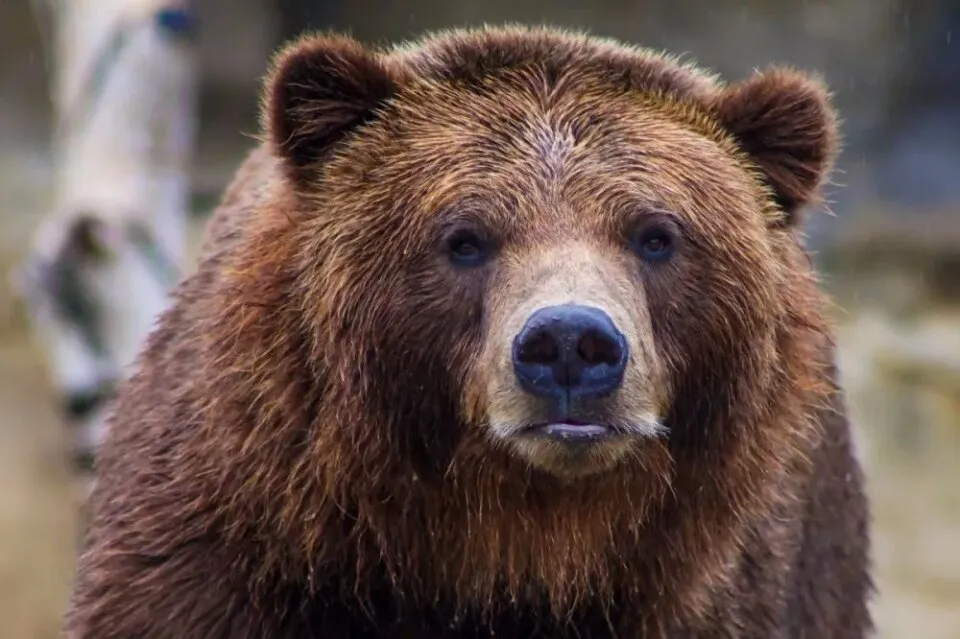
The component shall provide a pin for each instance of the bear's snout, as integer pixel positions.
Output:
(571, 377)
(569, 352)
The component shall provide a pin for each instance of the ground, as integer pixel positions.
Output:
(910, 441)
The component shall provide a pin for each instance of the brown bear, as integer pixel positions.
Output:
(505, 333)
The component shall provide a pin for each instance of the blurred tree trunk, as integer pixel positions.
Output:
(105, 257)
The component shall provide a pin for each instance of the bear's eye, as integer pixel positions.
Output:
(467, 248)
(654, 244)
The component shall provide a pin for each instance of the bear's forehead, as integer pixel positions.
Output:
(555, 121)
(532, 138)
(521, 94)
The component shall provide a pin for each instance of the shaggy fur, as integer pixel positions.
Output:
(318, 438)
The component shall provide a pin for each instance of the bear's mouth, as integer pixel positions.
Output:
(571, 432)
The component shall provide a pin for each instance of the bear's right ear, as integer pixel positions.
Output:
(320, 88)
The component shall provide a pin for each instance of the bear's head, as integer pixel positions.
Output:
(570, 248)
(532, 294)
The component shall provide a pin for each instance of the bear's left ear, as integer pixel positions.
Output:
(320, 89)
(784, 120)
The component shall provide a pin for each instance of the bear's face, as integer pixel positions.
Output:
(550, 259)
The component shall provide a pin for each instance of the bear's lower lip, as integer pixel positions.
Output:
(572, 433)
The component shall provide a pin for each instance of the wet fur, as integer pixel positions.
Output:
(304, 448)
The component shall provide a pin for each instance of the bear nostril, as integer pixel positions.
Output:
(595, 348)
(569, 351)
(539, 348)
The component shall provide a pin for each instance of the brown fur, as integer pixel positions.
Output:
(318, 436)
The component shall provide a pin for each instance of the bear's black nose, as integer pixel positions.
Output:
(570, 351)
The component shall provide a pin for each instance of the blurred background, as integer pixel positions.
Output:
(179, 118)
